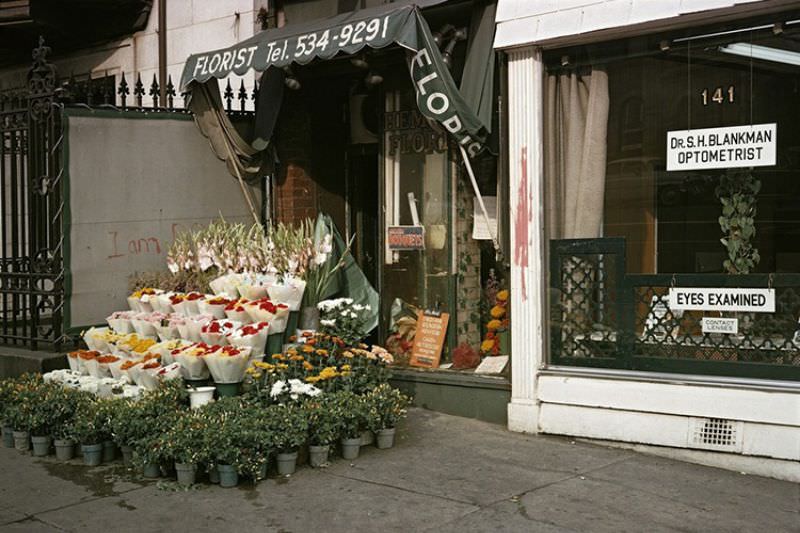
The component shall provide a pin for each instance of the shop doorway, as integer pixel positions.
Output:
(363, 215)
(344, 155)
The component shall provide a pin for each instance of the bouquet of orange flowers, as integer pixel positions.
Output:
(497, 324)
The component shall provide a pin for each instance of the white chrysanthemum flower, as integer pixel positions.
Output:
(277, 388)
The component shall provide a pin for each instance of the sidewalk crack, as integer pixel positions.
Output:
(33, 518)
(411, 491)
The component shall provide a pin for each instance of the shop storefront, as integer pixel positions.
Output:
(654, 251)
(385, 119)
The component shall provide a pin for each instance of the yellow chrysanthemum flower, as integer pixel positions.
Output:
(487, 345)
(328, 372)
(494, 325)
(143, 345)
(498, 311)
(502, 296)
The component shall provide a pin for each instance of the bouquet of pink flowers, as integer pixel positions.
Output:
(192, 327)
(120, 321)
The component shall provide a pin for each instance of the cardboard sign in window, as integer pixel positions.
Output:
(429, 339)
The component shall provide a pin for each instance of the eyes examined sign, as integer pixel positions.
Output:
(708, 299)
(734, 147)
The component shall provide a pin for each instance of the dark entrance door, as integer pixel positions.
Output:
(363, 204)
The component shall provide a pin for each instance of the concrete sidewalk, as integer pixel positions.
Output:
(445, 474)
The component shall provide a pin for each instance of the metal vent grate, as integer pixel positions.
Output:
(715, 434)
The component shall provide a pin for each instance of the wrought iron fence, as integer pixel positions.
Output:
(31, 188)
(107, 91)
(31, 206)
(603, 317)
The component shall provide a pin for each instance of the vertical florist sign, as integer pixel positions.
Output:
(734, 147)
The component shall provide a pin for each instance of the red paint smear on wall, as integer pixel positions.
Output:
(521, 223)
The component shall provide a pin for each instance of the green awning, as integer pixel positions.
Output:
(400, 23)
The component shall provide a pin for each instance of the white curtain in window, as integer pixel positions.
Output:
(576, 125)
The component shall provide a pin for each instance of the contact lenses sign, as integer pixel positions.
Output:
(734, 147)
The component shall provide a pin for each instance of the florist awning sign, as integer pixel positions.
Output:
(437, 96)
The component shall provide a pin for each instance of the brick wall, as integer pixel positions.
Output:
(468, 321)
(295, 195)
(295, 191)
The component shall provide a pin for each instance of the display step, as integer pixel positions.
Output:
(15, 361)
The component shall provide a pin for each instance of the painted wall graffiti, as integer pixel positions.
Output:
(121, 246)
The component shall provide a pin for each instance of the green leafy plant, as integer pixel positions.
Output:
(184, 441)
(289, 426)
(324, 425)
(257, 438)
(67, 402)
(129, 422)
(7, 391)
(148, 419)
(44, 409)
(21, 402)
(384, 407)
(343, 319)
(349, 410)
(91, 422)
(237, 434)
(738, 193)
